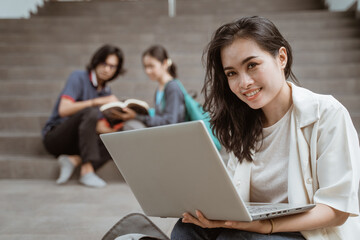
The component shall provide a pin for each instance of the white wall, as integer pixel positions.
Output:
(18, 8)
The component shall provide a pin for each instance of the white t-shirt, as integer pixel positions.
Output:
(269, 172)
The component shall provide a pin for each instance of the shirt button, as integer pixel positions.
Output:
(309, 181)
(238, 183)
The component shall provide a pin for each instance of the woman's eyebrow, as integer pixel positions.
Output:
(248, 59)
(242, 62)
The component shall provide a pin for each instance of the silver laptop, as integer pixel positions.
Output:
(176, 168)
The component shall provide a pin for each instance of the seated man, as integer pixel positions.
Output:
(71, 133)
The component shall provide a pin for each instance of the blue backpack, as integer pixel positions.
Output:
(195, 111)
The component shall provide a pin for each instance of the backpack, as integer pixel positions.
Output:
(195, 111)
(135, 226)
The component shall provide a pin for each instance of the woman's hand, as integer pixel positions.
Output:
(319, 217)
(262, 226)
(127, 114)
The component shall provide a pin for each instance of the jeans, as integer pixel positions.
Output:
(188, 231)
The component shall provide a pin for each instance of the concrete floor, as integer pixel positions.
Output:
(40, 209)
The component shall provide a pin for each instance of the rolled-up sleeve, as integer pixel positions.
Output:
(338, 160)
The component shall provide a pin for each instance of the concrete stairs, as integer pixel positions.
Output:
(38, 54)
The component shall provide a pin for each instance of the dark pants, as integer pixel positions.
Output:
(78, 136)
(188, 231)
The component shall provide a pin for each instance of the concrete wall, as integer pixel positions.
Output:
(18, 8)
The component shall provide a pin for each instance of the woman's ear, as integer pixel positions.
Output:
(165, 63)
(283, 57)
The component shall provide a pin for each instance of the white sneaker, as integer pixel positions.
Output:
(66, 169)
(92, 180)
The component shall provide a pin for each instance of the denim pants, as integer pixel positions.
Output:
(188, 231)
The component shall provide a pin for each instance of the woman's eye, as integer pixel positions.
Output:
(230, 74)
(252, 65)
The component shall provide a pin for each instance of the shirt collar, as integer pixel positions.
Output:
(306, 105)
(93, 79)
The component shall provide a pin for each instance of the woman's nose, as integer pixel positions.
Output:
(148, 71)
(245, 81)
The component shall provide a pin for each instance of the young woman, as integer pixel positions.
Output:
(71, 133)
(287, 143)
(169, 99)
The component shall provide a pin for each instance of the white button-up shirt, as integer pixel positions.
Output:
(324, 161)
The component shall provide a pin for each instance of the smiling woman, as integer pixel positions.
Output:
(286, 143)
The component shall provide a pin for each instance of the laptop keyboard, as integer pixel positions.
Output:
(261, 209)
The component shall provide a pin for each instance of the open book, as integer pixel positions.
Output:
(110, 109)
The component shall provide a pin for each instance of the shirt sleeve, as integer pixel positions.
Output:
(174, 103)
(72, 89)
(231, 164)
(338, 157)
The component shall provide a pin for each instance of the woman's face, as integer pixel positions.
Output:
(154, 68)
(254, 75)
(106, 70)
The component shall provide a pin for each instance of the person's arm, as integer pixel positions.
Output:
(68, 107)
(319, 217)
(174, 100)
(103, 127)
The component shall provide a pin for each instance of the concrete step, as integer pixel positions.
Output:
(21, 122)
(327, 71)
(85, 50)
(38, 104)
(31, 88)
(320, 18)
(326, 57)
(156, 24)
(183, 7)
(350, 86)
(124, 87)
(29, 144)
(325, 44)
(186, 73)
(44, 104)
(189, 37)
(46, 167)
(69, 58)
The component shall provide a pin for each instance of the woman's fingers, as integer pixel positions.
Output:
(188, 218)
(201, 220)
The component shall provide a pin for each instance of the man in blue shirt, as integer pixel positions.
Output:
(71, 133)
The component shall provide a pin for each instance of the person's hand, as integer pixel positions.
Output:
(104, 100)
(127, 114)
(262, 226)
(202, 221)
(114, 114)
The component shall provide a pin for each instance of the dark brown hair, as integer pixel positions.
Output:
(159, 52)
(237, 126)
(100, 57)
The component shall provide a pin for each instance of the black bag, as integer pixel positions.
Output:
(135, 223)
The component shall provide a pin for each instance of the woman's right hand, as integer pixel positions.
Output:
(261, 226)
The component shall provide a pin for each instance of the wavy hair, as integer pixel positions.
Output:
(237, 126)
